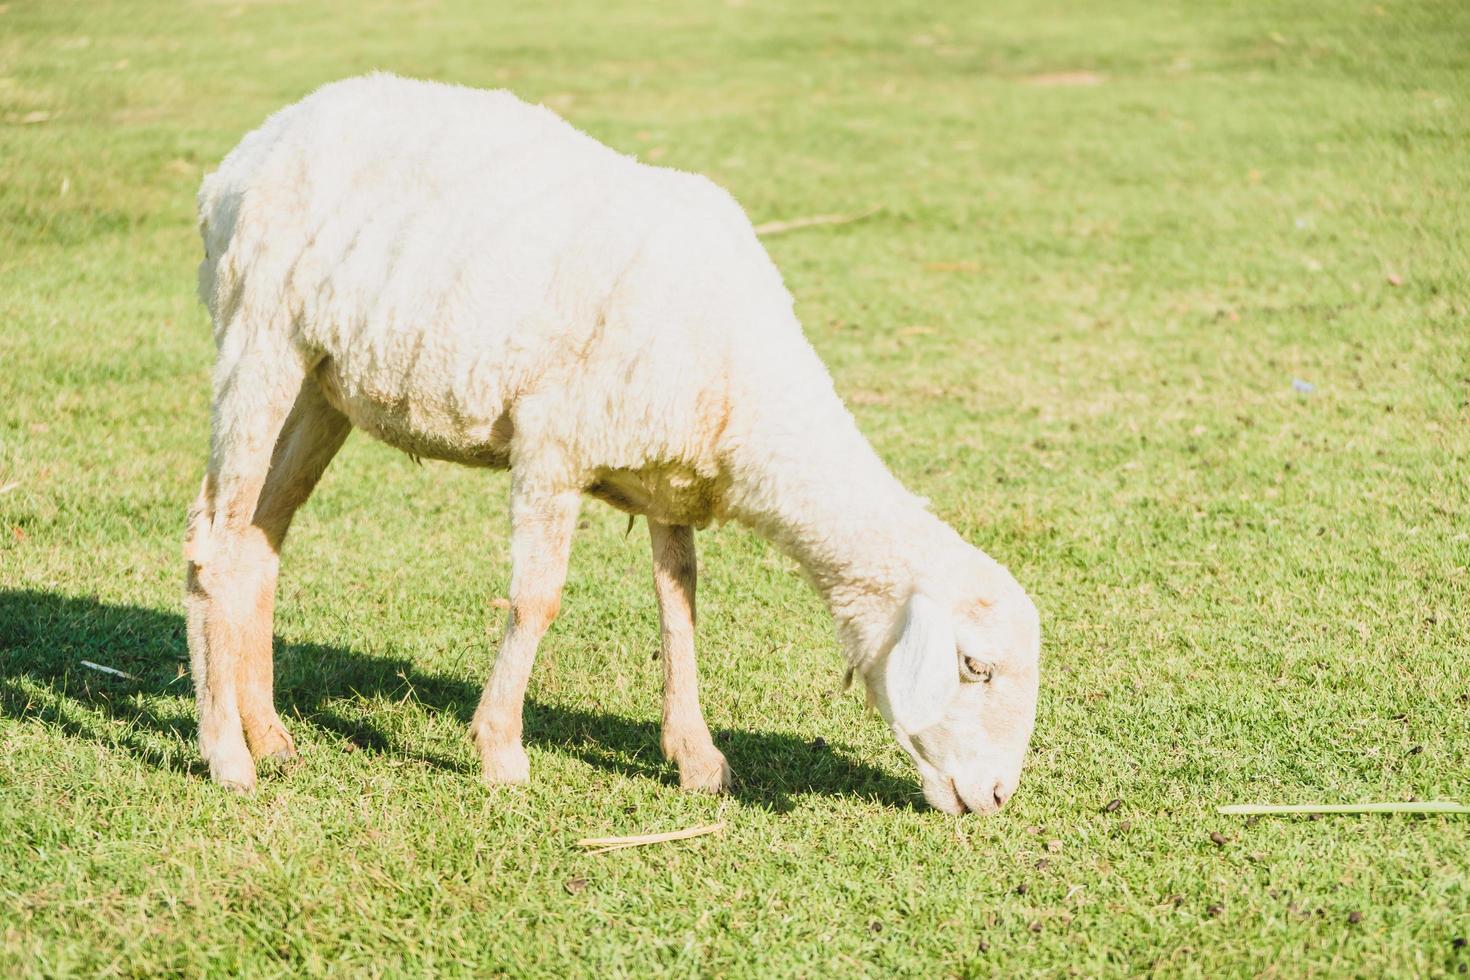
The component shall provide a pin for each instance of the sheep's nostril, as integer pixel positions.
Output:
(1001, 795)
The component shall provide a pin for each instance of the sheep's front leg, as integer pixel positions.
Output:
(686, 739)
(540, 542)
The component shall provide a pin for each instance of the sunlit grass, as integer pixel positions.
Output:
(1110, 239)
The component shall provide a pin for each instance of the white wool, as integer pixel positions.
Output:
(470, 278)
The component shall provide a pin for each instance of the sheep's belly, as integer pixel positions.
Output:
(414, 426)
(670, 493)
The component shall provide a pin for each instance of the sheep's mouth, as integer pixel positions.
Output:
(944, 796)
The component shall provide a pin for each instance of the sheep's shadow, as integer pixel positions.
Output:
(44, 637)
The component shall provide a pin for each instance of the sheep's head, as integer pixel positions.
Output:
(957, 684)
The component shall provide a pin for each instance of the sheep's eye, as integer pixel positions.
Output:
(976, 671)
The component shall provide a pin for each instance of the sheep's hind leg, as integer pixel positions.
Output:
(311, 436)
(540, 543)
(686, 738)
(226, 557)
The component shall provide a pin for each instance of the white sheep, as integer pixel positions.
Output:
(469, 278)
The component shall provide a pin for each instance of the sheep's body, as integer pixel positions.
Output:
(469, 278)
(457, 267)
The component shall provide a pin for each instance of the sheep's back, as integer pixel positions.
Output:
(454, 254)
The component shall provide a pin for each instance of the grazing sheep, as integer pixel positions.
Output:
(468, 278)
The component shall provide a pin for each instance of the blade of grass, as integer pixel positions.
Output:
(108, 670)
(1254, 809)
(768, 228)
(604, 844)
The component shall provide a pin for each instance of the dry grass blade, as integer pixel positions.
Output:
(108, 670)
(778, 227)
(1436, 806)
(601, 845)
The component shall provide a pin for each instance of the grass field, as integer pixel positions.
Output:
(1112, 237)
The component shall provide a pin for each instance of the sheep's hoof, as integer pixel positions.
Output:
(233, 773)
(709, 774)
(276, 744)
(506, 765)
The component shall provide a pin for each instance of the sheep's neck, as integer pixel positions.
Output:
(861, 537)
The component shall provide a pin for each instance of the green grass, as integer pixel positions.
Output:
(1074, 325)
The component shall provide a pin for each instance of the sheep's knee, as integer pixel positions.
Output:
(535, 614)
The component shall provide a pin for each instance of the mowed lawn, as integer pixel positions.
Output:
(1165, 307)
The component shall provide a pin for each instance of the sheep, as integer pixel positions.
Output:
(469, 278)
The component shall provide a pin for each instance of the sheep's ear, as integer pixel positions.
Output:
(922, 674)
